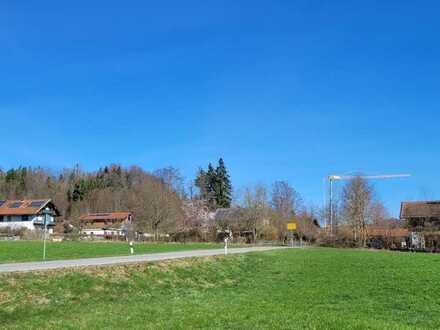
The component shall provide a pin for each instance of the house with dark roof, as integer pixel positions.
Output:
(106, 225)
(422, 219)
(29, 214)
(234, 222)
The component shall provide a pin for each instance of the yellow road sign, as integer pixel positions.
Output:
(291, 226)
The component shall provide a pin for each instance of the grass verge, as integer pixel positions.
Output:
(296, 289)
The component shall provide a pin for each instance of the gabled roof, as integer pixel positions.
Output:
(421, 209)
(105, 216)
(228, 213)
(26, 207)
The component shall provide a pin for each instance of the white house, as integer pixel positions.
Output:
(29, 214)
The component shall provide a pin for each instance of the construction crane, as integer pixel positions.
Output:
(333, 178)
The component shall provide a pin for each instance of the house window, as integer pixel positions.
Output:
(1, 218)
(24, 218)
(8, 218)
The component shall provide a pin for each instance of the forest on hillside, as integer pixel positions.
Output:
(162, 202)
(154, 198)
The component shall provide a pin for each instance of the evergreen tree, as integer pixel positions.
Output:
(223, 186)
(215, 186)
(211, 187)
(78, 192)
(201, 183)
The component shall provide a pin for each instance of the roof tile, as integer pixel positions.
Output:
(105, 216)
(422, 209)
(23, 207)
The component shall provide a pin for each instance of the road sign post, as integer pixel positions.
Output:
(228, 236)
(46, 213)
(291, 227)
(44, 242)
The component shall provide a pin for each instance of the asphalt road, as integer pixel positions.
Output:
(57, 264)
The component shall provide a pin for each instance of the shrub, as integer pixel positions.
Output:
(13, 231)
(339, 240)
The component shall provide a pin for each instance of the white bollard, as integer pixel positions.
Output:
(226, 246)
(131, 248)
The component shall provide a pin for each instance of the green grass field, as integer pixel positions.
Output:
(296, 289)
(22, 251)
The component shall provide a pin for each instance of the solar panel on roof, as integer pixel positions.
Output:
(15, 205)
(2, 202)
(36, 204)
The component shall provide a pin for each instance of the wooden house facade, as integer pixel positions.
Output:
(422, 219)
(106, 225)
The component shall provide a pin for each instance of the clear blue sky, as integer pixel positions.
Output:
(283, 90)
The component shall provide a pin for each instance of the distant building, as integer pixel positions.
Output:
(225, 214)
(107, 225)
(388, 237)
(27, 214)
(232, 222)
(422, 219)
(373, 231)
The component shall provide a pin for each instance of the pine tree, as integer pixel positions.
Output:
(223, 186)
(215, 186)
(211, 186)
(201, 184)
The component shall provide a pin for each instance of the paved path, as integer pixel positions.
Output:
(57, 264)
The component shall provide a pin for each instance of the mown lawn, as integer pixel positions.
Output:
(22, 251)
(296, 289)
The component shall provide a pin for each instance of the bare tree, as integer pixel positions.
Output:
(285, 199)
(156, 206)
(172, 177)
(379, 214)
(357, 199)
(256, 209)
(308, 223)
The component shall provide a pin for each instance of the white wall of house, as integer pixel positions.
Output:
(102, 232)
(18, 221)
(94, 232)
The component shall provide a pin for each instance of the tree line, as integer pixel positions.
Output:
(161, 202)
(154, 198)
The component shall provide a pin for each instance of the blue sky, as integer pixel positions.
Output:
(283, 90)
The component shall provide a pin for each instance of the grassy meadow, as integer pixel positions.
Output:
(284, 289)
(23, 251)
